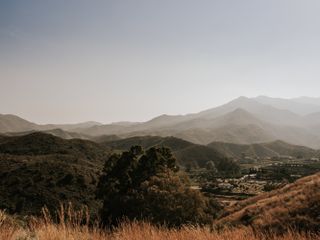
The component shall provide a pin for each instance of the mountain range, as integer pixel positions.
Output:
(240, 121)
(11, 123)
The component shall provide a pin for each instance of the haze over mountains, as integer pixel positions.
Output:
(263, 150)
(12, 123)
(241, 121)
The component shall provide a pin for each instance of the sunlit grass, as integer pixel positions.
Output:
(72, 225)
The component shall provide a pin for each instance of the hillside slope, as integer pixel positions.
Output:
(11, 123)
(296, 205)
(39, 143)
(55, 132)
(187, 153)
(241, 121)
(39, 169)
(293, 105)
(262, 150)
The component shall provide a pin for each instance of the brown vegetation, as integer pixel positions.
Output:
(296, 205)
(71, 228)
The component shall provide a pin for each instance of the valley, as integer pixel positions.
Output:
(159, 120)
(36, 161)
(228, 155)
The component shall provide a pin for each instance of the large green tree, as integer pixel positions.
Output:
(146, 185)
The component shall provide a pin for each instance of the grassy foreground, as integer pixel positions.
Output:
(45, 229)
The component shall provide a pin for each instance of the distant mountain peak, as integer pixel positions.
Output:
(242, 120)
(241, 99)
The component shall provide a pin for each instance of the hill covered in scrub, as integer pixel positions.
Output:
(40, 169)
(39, 143)
(262, 150)
(187, 153)
(296, 205)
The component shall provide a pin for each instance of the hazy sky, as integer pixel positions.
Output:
(72, 61)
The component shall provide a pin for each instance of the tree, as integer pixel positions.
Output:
(228, 167)
(146, 185)
(210, 166)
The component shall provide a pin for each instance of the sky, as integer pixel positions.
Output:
(123, 60)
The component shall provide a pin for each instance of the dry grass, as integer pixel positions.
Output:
(71, 227)
(296, 204)
(268, 208)
(9, 229)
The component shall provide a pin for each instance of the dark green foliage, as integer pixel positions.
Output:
(39, 170)
(210, 166)
(66, 180)
(45, 181)
(187, 153)
(228, 166)
(146, 185)
(43, 144)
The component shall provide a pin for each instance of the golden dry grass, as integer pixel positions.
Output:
(45, 229)
(269, 208)
(296, 204)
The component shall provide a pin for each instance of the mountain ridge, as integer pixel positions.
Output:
(12, 123)
(262, 150)
(242, 121)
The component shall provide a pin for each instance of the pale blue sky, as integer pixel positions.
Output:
(71, 61)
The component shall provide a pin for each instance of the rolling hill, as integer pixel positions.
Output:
(10, 123)
(55, 132)
(39, 143)
(262, 150)
(40, 169)
(296, 205)
(187, 153)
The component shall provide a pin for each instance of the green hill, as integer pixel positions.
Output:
(39, 169)
(148, 141)
(39, 143)
(262, 150)
(104, 138)
(187, 153)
